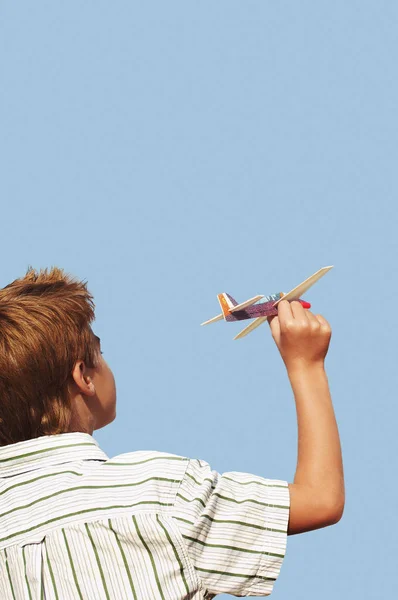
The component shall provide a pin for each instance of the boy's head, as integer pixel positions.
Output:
(53, 378)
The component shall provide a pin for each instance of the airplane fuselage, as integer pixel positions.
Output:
(263, 308)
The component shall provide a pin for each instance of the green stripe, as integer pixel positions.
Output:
(232, 500)
(207, 545)
(9, 574)
(198, 482)
(51, 571)
(184, 520)
(37, 479)
(192, 500)
(233, 523)
(249, 500)
(270, 485)
(72, 566)
(3, 460)
(236, 574)
(175, 553)
(26, 575)
(85, 487)
(151, 558)
(124, 559)
(82, 512)
(110, 463)
(98, 561)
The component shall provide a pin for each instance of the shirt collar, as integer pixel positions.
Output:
(47, 451)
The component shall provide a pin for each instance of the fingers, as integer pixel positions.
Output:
(285, 311)
(277, 321)
(306, 317)
(312, 318)
(301, 337)
(325, 326)
(293, 316)
(294, 311)
(323, 321)
(298, 311)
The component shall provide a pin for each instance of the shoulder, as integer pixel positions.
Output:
(145, 456)
(146, 477)
(149, 463)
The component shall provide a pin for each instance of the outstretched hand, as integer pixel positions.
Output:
(301, 337)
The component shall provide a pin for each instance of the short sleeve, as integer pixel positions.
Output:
(234, 527)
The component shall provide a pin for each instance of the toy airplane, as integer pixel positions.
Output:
(260, 307)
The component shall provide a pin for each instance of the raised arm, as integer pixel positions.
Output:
(317, 493)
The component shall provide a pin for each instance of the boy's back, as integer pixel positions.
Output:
(144, 525)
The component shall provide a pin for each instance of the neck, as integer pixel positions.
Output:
(82, 418)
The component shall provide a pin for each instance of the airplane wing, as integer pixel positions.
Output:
(214, 319)
(245, 304)
(253, 325)
(298, 291)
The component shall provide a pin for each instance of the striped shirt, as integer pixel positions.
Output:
(75, 524)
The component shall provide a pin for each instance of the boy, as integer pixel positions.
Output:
(144, 525)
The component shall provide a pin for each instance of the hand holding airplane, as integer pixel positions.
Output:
(260, 307)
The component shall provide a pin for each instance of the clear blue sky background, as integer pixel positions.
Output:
(168, 151)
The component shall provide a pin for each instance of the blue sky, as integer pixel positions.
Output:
(169, 151)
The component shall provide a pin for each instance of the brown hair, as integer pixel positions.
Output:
(45, 328)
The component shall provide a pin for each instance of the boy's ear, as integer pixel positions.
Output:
(82, 379)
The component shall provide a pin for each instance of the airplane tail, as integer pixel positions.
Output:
(226, 302)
